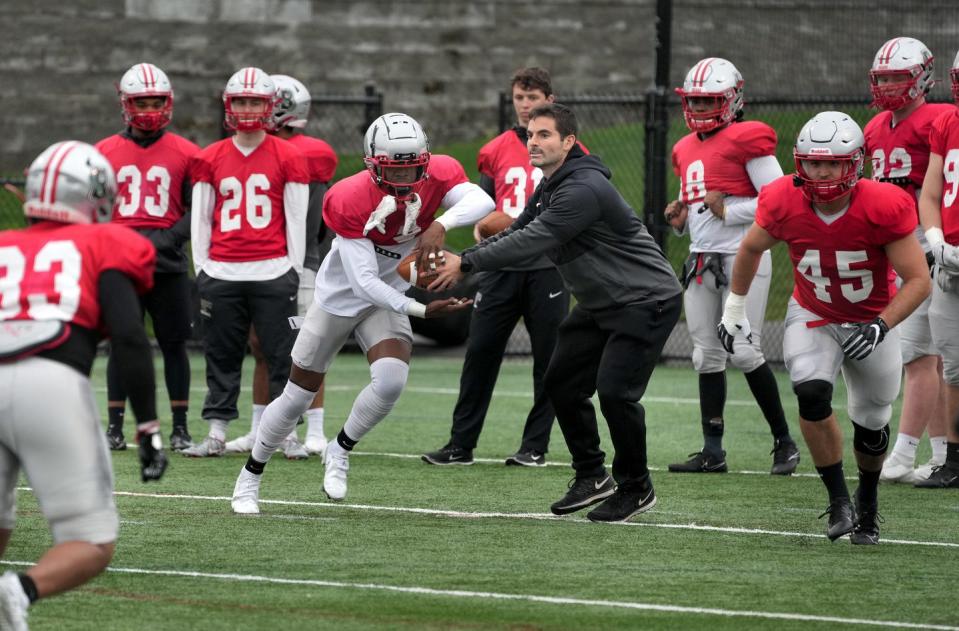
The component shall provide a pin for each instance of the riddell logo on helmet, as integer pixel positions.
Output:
(822, 151)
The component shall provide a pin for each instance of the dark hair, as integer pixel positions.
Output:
(563, 116)
(532, 79)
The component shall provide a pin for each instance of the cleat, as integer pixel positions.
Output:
(842, 518)
(450, 454)
(897, 469)
(701, 462)
(337, 462)
(241, 445)
(180, 439)
(785, 455)
(209, 447)
(531, 458)
(246, 494)
(115, 439)
(922, 473)
(315, 444)
(13, 603)
(943, 477)
(584, 492)
(294, 450)
(623, 505)
(866, 532)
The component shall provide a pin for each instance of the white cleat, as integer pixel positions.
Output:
(294, 450)
(246, 494)
(337, 461)
(208, 448)
(241, 445)
(315, 444)
(922, 473)
(897, 470)
(13, 603)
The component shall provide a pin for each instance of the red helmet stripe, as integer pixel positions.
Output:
(700, 75)
(48, 187)
(886, 54)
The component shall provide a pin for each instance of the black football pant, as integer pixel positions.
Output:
(228, 308)
(612, 353)
(503, 297)
(168, 304)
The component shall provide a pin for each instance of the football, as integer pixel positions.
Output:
(493, 223)
(409, 272)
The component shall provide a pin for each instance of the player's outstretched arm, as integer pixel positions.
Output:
(734, 321)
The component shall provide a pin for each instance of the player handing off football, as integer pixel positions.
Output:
(379, 217)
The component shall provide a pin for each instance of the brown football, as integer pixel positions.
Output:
(493, 223)
(415, 276)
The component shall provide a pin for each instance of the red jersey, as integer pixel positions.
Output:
(718, 161)
(901, 153)
(944, 141)
(50, 270)
(249, 223)
(150, 180)
(841, 271)
(321, 160)
(350, 202)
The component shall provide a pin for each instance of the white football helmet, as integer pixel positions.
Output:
(906, 65)
(714, 78)
(829, 136)
(292, 107)
(145, 80)
(70, 182)
(954, 75)
(250, 83)
(396, 140)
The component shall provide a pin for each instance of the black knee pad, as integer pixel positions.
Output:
(872, 442)
(815, 399)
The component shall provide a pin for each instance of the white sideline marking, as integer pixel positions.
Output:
(532, 516)
(551, 600)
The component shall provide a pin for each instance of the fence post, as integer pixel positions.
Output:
(374, 105)
(657, 126)
(504, 119)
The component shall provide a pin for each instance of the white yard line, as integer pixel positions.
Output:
(532, 598)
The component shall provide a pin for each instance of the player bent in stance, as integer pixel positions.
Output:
(843, 233)
(378, 218)
(939, 213)
(65, 282)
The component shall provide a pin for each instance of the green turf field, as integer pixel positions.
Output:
(421, 547)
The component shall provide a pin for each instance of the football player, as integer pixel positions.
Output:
(939, 212)
(250, 197)
(66, 281)
(532, 290)
(897, 141)
(843, 235)
(722, 165)
(290, 114)
(152, 168)
(378, 216)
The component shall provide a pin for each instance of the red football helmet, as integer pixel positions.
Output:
(145, 80)
(249, 83)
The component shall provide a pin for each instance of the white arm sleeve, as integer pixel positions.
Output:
(201, 223)
(465, 204)
(762, 171)
(296, 199)
(362, 272)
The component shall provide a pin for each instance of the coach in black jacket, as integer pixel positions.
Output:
(628, 300)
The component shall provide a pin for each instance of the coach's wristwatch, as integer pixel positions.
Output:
(465, 267)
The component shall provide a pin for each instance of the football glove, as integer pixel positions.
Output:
(734, 322)
(865, 337)
(153, 460)
(947, 257)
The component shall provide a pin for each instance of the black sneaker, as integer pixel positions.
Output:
(450, 454)
(531, 458)
(701, 462)
(624, 504)
(584, 492)
(115, 438)
(941, 478)
(866, 532)
(842, 518)
(180, 439)
(785, 455)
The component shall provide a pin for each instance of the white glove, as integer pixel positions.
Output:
(378, 217)
(413, 206)
(945, 255)
(734, 322)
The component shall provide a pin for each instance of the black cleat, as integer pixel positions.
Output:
(180, 439)
(941, 478)
(531, 458)
(866, 532)
(584, 492)
(450, 454)
(115, 439)
(701, 462)
(624, 504)
(785, 455)
(842, 518)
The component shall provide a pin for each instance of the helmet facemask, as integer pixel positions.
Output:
(827, 190)
(248, 121)
(380, 167)
(147, 120)
(901, 89)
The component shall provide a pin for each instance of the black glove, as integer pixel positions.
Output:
(153, 460)
(865, 337)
